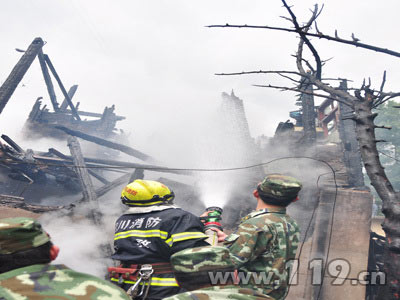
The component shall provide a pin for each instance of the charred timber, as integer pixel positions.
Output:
(60, 84)
(105, 163)
(16, 75)
(128, 150)
(71, 94)
(95, 115)
(93, 173)
(89, 194)
(101, 191)
(18, 202)
(47, 80)
(12, 143)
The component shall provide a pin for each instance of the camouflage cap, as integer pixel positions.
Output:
(17, 234)
(280, 187)
(206, 258)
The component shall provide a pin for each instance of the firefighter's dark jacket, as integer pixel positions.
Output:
(152, 237)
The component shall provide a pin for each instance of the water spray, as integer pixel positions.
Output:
(212, 221)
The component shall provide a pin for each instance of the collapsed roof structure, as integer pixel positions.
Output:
(34, 174)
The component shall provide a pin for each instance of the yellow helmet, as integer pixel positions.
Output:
(146, 193)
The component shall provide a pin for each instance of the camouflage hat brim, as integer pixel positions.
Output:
(18, 234)
(279, 187)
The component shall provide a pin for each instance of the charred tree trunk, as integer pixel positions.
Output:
(391, 199)
(308, 108)
(16, 75)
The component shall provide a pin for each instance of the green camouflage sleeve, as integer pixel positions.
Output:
(221, 293)
(249, 241)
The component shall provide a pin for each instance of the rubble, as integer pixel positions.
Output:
(27, 176)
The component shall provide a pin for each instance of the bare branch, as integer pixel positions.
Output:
(343, 96)
(286, 18)
(301, 31)
(317, 35)
(337, 79)
(290, 78)
(326, 60)
(386, 97)
(354, 38)
(258, 72)
(316, 28)
(307, 63)
(320, 11)
(274, 72)
(383, 81)
(285, 88)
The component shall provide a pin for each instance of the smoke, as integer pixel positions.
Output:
(212, 143)
(227, 144)
(313, 175)
(82, 243)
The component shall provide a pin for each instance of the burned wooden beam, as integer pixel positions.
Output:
(95, 115)
(101, 191)
(60, 84)
(71, 93)
(56, 161)
(93, 173)
(19, 202)
(88, 191)
(80, 169)
(16, 75)
(12, 143)
(47, 80)
(89, 194)
(128, 150)
(98, 177)
(109, 164)
(137, 174)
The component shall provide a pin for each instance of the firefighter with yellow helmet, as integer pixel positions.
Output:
(146, 235)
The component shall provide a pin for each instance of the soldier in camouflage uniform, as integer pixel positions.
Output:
(266, 241)
(25, 272)
(209, 273)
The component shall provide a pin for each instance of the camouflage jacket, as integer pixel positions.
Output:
(55, 282)
(261, 247)
(221, 293)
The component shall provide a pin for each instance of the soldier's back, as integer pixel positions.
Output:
(46, 281)
(268, 239)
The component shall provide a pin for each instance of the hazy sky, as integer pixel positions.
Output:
(155, 59)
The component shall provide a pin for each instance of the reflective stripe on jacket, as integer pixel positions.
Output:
(152, 237)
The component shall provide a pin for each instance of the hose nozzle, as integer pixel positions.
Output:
(214, 217)
(212, 221)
